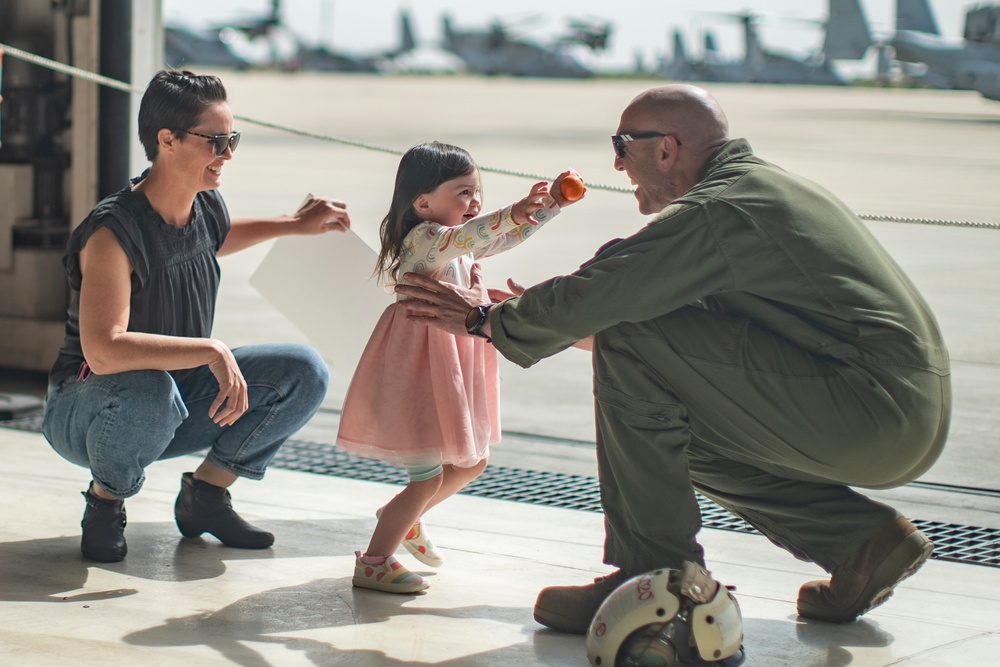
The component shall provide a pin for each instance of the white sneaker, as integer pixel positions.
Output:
(389, 577)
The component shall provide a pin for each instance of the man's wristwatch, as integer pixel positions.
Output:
(475, 320)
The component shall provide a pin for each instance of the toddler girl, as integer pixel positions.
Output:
(420, 397)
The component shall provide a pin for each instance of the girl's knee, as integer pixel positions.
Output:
(471, 472)
(427, 487)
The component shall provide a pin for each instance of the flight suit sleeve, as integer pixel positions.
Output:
(674, 261)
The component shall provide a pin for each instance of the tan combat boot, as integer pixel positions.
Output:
(572, 608)
(867, 580)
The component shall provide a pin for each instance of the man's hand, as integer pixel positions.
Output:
(442, 304)
(497, 295)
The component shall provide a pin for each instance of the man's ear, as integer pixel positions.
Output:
(668, 151)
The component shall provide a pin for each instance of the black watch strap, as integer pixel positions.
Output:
(475, 320)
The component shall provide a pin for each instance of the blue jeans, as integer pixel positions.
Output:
(116, 425)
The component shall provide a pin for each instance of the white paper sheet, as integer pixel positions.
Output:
(325, 287)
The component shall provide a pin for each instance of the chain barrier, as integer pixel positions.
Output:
(125, 87)
(929, 221)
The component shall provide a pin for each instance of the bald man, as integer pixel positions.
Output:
(753, 342)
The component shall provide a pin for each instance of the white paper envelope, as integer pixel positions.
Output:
(325, 287)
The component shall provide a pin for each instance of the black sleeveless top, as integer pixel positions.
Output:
(175, 276)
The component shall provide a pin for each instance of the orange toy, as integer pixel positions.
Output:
(572, 187)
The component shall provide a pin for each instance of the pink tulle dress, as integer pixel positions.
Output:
(420, 395)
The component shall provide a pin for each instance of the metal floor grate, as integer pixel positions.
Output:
(952, 542)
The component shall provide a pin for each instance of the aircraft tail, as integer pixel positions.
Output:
(407, 42)
(680, 53)
(753, 59)
(448, 32)
(847, 34)
(710, 47)
(916, 15)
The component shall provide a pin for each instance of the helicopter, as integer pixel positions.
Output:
(183, 46)
(593, 33)
(972, 63)
(225, 45)
(415, 57)
(265, 41)
(847, 37)
(710, 67)
(494, 51)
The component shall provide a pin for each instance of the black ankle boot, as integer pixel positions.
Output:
(103, 529)
(205, 508)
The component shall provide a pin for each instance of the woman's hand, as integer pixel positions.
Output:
(231, 402)
(319, 215)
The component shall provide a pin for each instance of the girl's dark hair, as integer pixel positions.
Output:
(421, 170)
(175, 99)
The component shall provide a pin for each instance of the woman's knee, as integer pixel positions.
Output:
(144, 397)
(311, 370)
(149, 396)
(113, 422)
(296, 372)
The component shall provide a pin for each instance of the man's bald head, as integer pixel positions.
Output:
(674, 130)
(688, 112)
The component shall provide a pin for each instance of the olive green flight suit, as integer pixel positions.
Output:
(753, 342)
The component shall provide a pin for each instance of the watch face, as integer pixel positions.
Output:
(474, 320)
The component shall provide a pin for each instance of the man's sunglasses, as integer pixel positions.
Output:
(220, 142)
(619, 141)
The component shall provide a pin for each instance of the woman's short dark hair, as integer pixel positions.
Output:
(175, 99)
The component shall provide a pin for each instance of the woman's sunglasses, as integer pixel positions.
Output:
(220, 142)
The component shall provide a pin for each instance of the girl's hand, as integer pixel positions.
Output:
(319, 215)
(521, 211)
(557, 187)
